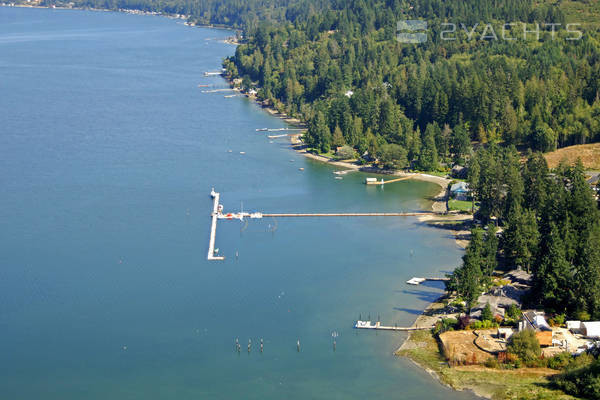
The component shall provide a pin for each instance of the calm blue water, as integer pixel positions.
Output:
(108, 151)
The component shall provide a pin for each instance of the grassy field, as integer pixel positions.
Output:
(434, 173)
(459, 205)
(589, 154)
(497, 384)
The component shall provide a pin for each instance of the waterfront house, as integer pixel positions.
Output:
(499, 299)
(458, 171)
(460, 191)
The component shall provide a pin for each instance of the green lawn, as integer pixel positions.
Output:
(459, 205)
(435, 173)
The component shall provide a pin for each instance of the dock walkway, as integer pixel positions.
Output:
(213, 229)
(417, 281)
(372, 214)
(377, 326)
(373, 181)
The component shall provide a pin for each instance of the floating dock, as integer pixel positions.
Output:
(213, 228)
(417, 281)
(218, 90)
(377, 326)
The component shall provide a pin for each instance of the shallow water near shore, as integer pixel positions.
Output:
(108, 152)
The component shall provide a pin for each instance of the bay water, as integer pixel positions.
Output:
(108, 153)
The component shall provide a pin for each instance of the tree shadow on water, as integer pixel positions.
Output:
(409, 310)
(422, 295)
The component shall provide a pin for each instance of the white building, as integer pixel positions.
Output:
(574, 326)
(591, 329)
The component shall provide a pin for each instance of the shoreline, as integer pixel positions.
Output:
(133, 11)
(439, 201)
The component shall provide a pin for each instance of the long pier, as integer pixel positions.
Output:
(377, 326)
(213, 229)
(372, 214)
(218, 213)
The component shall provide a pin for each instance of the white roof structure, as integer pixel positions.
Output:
(540, 322)
(573, 325)
(462, 187)
(591, 329)
(534, 320)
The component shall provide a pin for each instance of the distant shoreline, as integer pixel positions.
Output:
(182, 17)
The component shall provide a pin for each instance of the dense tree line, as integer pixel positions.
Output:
(430, 99)
(551, 227)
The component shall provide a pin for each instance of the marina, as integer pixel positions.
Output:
(218, 214)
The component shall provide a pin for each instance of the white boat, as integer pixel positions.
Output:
(364, 324)
(415, 281)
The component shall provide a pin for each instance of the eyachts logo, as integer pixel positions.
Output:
(415, 31)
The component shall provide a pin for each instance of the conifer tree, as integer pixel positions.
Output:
(338, 137)
(428, 158)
